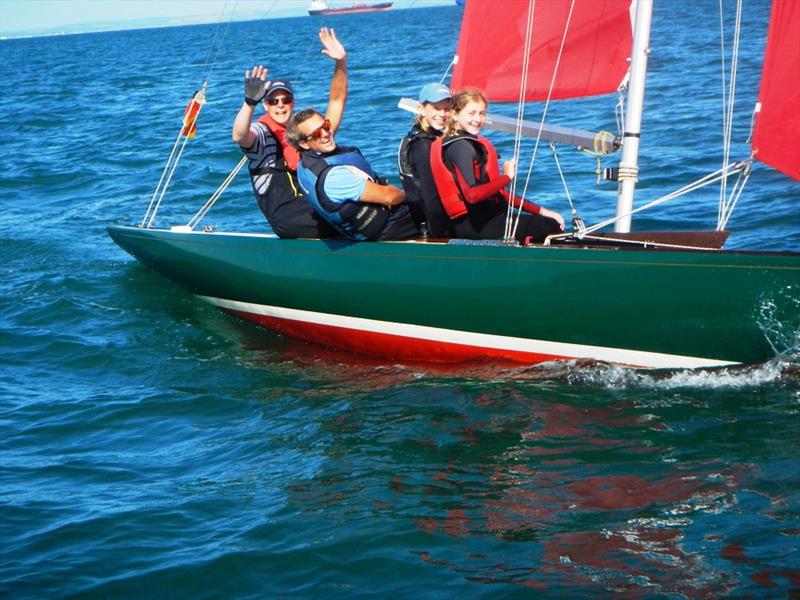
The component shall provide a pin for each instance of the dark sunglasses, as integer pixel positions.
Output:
(317, 133)
(284, 99)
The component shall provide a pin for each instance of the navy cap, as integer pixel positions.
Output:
(279, 84)
(434, 92)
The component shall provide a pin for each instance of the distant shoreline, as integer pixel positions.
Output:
(106, 27)
(164, 22)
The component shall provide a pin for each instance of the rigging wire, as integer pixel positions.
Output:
(520, 108)
(201, 213)
(450, 66)
(723, 78)
(743, 166)
(736, 194)
(269, 9)
(726, 204)
(544, 116)
(213, 60)
(189, 120)
(199, 99)
(577, 222)
(526, 51)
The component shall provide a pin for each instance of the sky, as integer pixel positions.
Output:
(33, 17)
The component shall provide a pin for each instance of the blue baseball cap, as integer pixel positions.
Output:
(434, 92)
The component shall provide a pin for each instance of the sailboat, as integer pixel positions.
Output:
(649, 300)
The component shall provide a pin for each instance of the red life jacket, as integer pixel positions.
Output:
(290, 155)
(445, 178)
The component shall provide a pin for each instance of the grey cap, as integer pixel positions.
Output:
(434, 92)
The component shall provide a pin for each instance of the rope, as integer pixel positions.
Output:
(513, 231)
(602, 144)
(200, 214)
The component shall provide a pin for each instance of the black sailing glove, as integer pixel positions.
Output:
(255, 89)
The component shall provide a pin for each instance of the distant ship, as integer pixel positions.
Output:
(320, 8)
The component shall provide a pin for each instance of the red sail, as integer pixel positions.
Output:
(776, 139)
(594, 60)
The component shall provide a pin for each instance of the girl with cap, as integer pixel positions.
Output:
(470, 186)
(271, 161)
(413, 159)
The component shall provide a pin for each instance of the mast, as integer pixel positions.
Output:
(629, 162)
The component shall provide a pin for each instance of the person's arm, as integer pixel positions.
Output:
(242, 134)
(347, 183)
(332, 48)
(255, 86)
(388, 195)
(526, 205)
(462, 156)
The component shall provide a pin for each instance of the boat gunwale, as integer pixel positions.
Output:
(464, 243)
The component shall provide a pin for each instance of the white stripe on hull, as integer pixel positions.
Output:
(484, 340)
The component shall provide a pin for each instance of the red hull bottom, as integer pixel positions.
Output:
(390, 346)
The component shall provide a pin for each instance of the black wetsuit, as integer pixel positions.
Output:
(278, 194)
(413, 161)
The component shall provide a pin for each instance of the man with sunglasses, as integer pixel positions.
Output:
(271, 161)
(342, 186)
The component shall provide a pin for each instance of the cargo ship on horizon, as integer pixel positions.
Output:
(321, 8)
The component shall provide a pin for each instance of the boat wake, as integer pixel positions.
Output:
(779, 319)
(358, 371)
(784, 369)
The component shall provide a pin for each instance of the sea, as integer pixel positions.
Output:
(152, 446)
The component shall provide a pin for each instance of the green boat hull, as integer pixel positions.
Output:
(438, 301)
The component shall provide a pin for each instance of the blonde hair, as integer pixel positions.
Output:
(422, 124)
(460, 100)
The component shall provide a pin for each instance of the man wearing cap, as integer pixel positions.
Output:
(413, 159)
(272, 162)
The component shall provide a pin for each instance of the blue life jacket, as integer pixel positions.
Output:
(357, 220)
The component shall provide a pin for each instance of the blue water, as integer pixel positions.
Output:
(155, 447)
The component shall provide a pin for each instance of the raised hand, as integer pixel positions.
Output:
(331, 46)
(255, 85)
